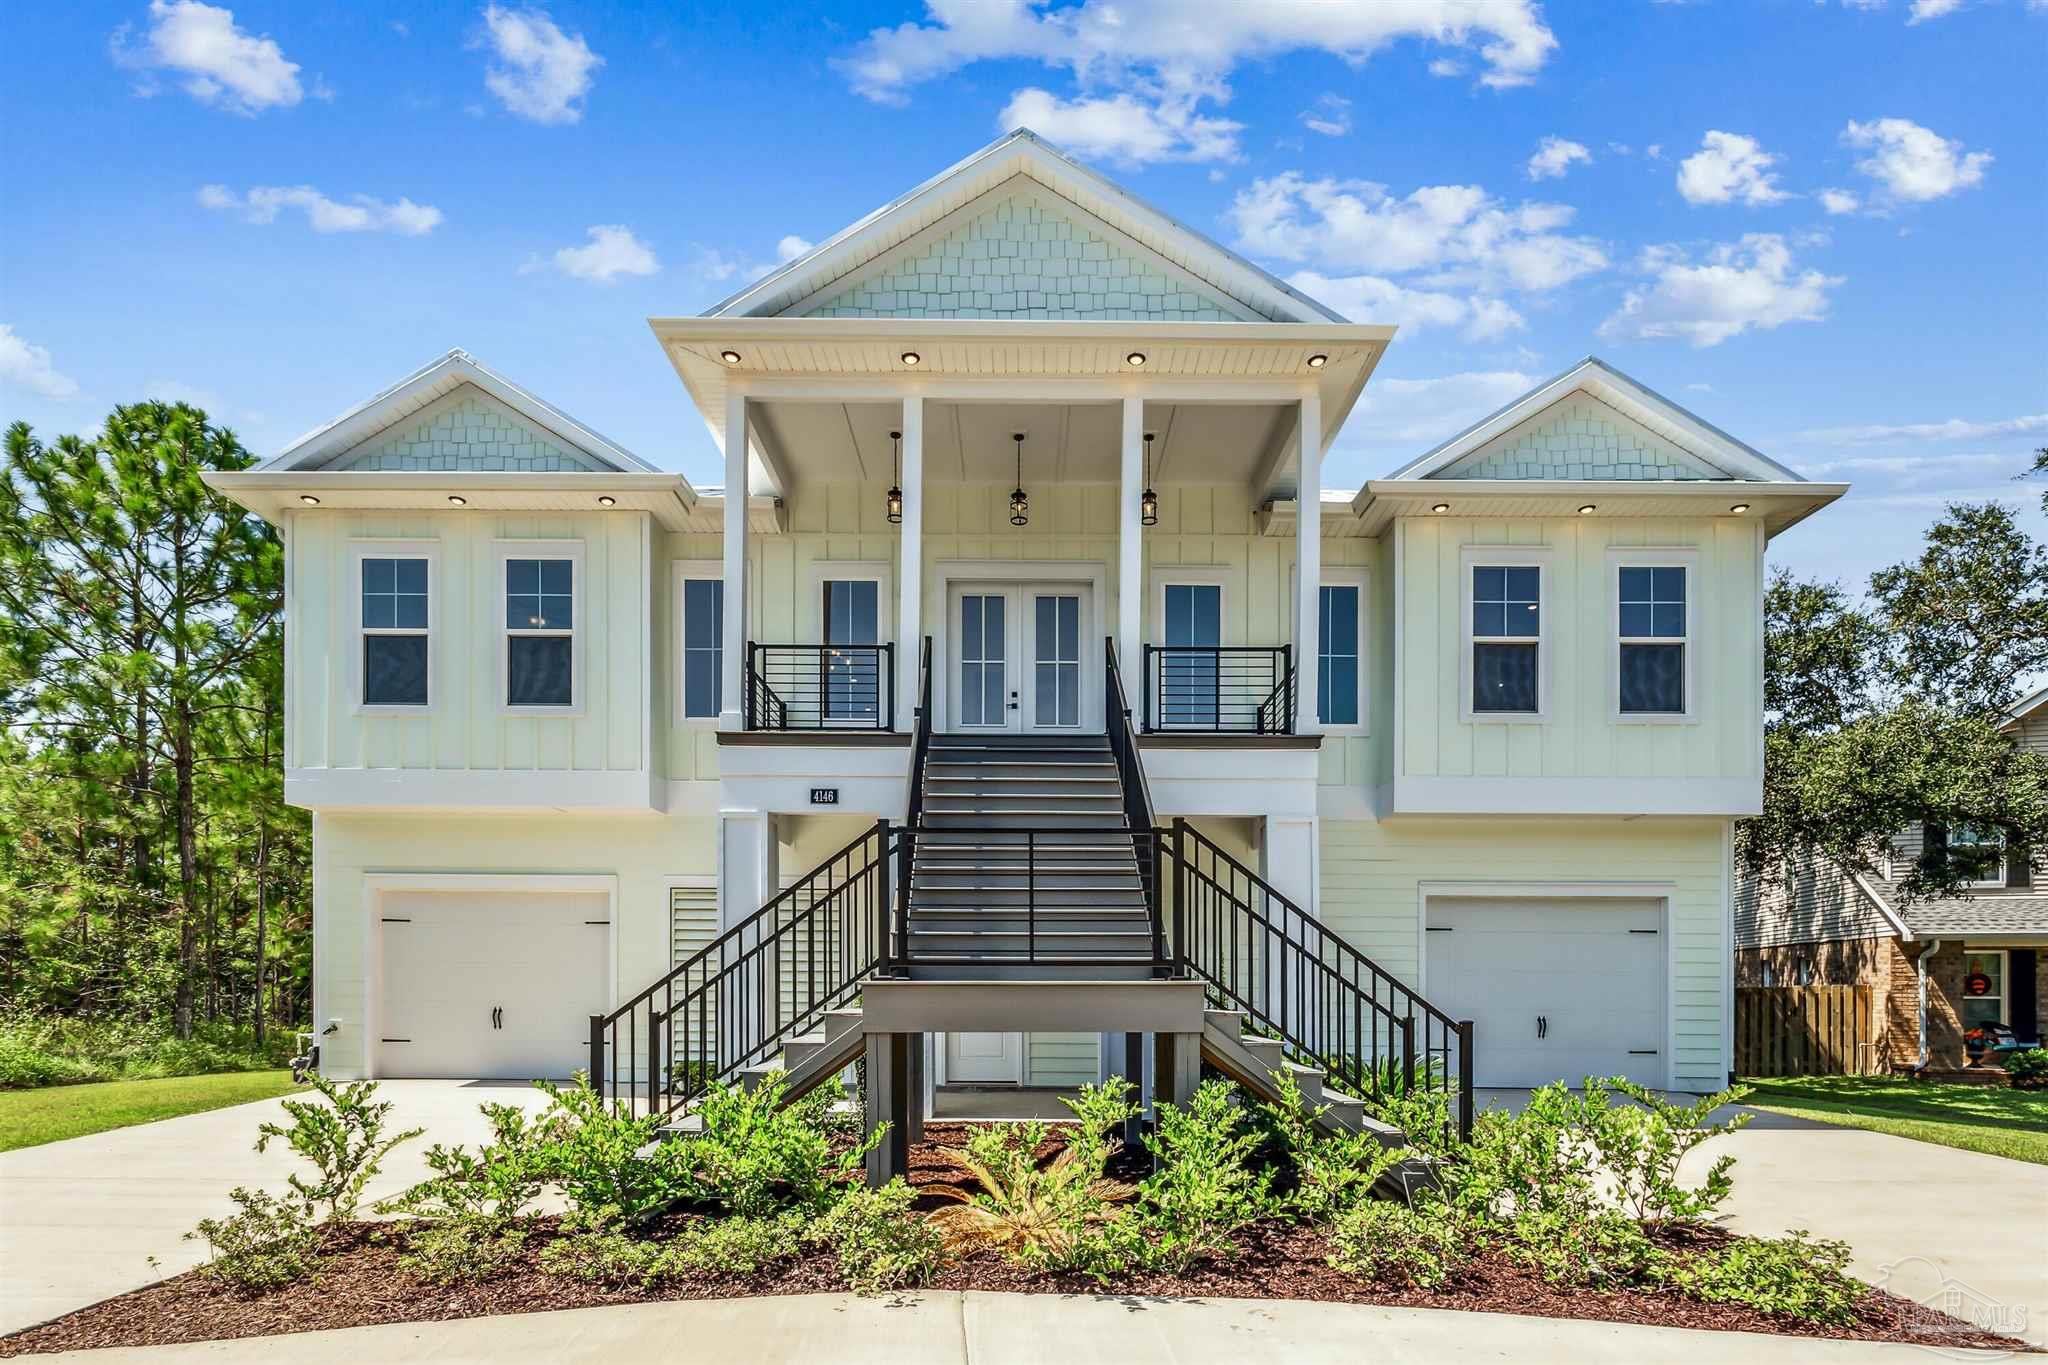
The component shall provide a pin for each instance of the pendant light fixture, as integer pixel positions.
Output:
(1020, 503)
(895, 478)
(1148, 501)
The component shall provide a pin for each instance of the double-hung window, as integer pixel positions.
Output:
(1653, 629)
(396, 642)
(1507, 639)
(1340, 654)
(1981, 850)
(1983, 1001)
(540, 631)
(700, 647)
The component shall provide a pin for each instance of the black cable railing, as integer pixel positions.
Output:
(820, 687)
(1331, 1006)
(1219, 689)
(736, 1001)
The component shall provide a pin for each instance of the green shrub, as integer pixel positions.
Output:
(342, 1135)
(880, 1242)
(267, 1244)
(1331, 1172)
(757, 1154)
(493, 1185)
(1640, 1145)
(1038, 1212)
(607, 1161)
(460, 1251)
(39, 1050)
(592, 1249)
(1205, 1189)
(1423, 1116)
(1539, 1161)
(1606, 1248)
(1793, 1275)
(730, 1246)
(2028, 1068)
(1382, 1239)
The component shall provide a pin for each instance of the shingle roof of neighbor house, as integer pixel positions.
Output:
(1978, 915)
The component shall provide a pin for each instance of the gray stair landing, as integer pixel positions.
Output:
(1026, 866)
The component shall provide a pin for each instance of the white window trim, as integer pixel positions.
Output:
(1644, 557)
(1343, 576)
(1995, 882)
(2004, 956)
(571, 550)
(1542, 558)
(360, 550)
(685, 569)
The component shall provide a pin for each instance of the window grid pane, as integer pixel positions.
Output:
(540, 651)
(1507, 602)
(703, 647)
(1653, 603)
(1337, 657)
(394, 621)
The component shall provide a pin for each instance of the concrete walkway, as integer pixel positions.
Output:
(81, 1219)
(1017, 1329)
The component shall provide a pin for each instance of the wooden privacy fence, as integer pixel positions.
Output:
(1804, 1031)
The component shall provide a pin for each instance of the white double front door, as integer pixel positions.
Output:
(1019, 658)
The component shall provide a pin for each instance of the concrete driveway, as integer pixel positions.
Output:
(80, 1220)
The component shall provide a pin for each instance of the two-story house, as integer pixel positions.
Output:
(1948, 976)
(1025, 672)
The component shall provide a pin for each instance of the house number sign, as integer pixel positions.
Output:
(824, 796)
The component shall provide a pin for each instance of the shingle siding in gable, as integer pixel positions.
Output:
(1580, 439)
(1019, 259)
(465, 432)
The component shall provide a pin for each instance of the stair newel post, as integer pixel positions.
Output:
(1287, 689)
(1145, 684)
(1180, 890)
(1464, 1080)
(883, 898)
(655, 1019)
(597, 1053)
(1408, 1055)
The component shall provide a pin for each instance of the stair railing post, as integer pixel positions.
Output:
(1408, 1055)
(1287, 689)
(655, 1019)
(883, 899)
(889, 653)
(1464, 1080)
(1145, 684)
(597, 1053)
(1180, 890)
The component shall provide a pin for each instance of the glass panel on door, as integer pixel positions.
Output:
(1056, 659)
(984, 664)
(853, 677)
(1190, 680)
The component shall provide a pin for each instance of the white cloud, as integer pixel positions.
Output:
(1741, 285)
(790, 247)
(1459, 233)
(1370, 298)
(262, 204)
(1729, 166)
(1330, 116)
(1954, 429)
(1655, 151)
(1923, 10)
(216, 61)
(1447, 67)
(1124, 128)
(1421, 412)
(612, 251)
(30, 368)
(1914, 469)
(1839, 201)
(1914, 163)
(540, 72)
(1554, 156)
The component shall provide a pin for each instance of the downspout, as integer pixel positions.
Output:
(1920, 967)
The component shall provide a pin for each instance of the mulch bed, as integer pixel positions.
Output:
(360, 1283)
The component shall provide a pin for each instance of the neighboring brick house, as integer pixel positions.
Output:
(1985, 954)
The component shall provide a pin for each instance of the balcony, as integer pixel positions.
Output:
(820, 687)
(1219, 689)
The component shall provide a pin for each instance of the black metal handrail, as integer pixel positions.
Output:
(734, 1002)
(920, 751)
(1219, 689)
(820, 687)
(1331, 1005)
(1130, 770)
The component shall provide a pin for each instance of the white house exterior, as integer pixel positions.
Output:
(562, 718)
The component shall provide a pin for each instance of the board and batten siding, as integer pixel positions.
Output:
(1581, 737)
(1372, 876)
(465, 727)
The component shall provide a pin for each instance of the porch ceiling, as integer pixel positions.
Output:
(969, 442)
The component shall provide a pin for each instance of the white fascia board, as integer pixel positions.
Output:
(1779, 505)
(1633, 399)
(1019, 152)
(272, 493)
(423, 386)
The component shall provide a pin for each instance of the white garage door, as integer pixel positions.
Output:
(1555, 989)
(491, 984)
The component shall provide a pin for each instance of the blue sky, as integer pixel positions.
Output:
(1819, 225)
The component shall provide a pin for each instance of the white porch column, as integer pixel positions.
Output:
(747, 858)
(1308, 563)
(733, 659)
(1288, 860)
(910, 565)
(1130, 554)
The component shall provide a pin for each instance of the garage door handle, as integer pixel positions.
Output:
(497, 1016)
(1542, 1026)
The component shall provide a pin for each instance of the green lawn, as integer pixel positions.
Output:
(29, 1118)
(1977, 1118)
